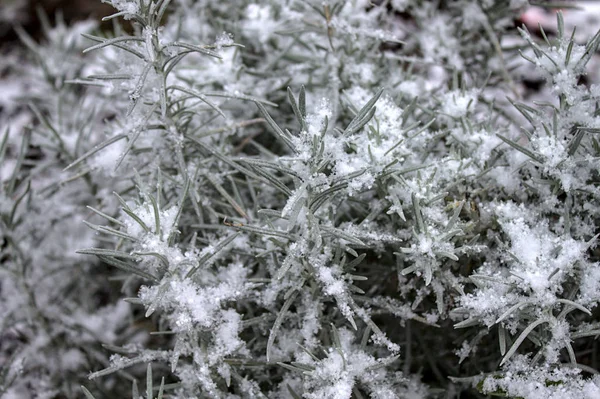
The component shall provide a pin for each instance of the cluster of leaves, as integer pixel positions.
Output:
(301, 200)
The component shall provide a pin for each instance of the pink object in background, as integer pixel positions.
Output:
(536, 15)
(586, 18)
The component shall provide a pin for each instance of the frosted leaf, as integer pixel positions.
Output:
(193, 305)
(129, 7)
(522, 380)
(224, 39)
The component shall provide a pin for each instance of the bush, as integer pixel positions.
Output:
(301, 199)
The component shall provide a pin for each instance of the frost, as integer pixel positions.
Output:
(345, 367)
(129, 7)
(528, 382)
(224, 39)
(353, 199)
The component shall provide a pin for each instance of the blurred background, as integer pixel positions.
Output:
(26, 14)
(584, 14)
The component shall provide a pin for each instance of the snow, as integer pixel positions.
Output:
(589, 291)
(259, 22)
(129, 7)
(458, 104)
(224, 39)
(544, 259)
(107, 159)
(423, 214)
(521, 380)
(439, 43)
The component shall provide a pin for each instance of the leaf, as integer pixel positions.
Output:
(3, 144)
(590, 49)
(263, 231)
(512, 309)
(524, 109)
(520, 148)
(123, 365)
(135, 133)
(161, 12)
(121, 14)
(257, 162)
(335, 232)
(409, 269)
(298, 367)
(521, 338)
(296, 110)
(195, 48)
(138, 220)
(570, 47)
(224, 158)
(271, 180)
(110, 231)
(302, 101)
(560, 24)
(239, 96)
(161, 388)
(20, 198)
(502, 340)
(46, 122)
(87, 393)
(109, 42)
(134, 390)
(218, 248)
(292, 392)
(106, 252)
(95, 149)
(230, 200)
(271, 212)
(278, 322)
(127, 267)
(161, 258)
(575, 305)
(472, 321)
(454, 217)
(418, 215)
(285, 137)
(415, 134)
(324, 195)
(149, 393)
(446, 254)
(295, 212)
(351, 265)
(575, 141)
(156, 216)
(364, 115)
(201, 97)
(360, 124)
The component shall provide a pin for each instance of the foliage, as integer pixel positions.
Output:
(301, 199)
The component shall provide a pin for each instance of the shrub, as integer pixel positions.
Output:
(301, 199)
